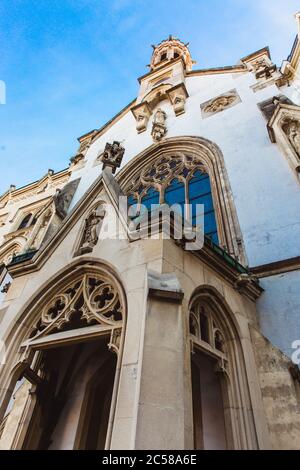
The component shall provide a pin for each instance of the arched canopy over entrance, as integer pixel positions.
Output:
(69, 344)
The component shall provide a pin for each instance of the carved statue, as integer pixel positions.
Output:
(91, 232)
(113, 155)
(159, 128)
(291, 128)
(63, 198)
(160, 117)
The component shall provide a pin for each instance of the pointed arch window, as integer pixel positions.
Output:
(180, 180)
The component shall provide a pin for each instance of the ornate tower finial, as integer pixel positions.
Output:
(170, 49)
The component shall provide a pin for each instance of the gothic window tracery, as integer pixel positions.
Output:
(203, 327)
(88, 301)
(179, 179)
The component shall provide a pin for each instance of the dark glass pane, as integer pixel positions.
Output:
(204, 327)
(25, 221)
(200, 194)
(151, 198)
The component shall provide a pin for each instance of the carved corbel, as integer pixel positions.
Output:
(142, 113)
(245, 280)
(177, 96)
(115, 340)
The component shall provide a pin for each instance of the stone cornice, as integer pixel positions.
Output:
(217, 70)
(32, 186)
(165, 65)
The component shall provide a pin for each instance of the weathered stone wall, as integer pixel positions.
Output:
(279, 394)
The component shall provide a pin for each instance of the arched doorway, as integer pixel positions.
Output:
(72, 359)
(222, 416)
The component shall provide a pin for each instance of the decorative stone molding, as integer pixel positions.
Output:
(284, 129)
(77, 161)
(220, 103)
(177, 96)
(268, 106)
(165, 286)
(159, 128)
(113, 156)
(142, 113)
(264, 70)
(245, 281)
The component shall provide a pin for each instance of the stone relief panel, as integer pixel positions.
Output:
(220, 103)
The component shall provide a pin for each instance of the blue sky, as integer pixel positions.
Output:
(70, 65)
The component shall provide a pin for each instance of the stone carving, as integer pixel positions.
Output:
(222, 102)
(93, 299)
(92, 226)
(113, 155)
(115, 340)
(269, 106)
(5, 288)
(64, 196)
(41, 230)
(219, 104)
(177, 96)
(291, 127)
(159, 128)
(76, 159)
(142, 114)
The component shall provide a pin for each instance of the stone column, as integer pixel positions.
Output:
(160, 422)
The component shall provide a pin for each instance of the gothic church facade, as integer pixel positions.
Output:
(117, 338)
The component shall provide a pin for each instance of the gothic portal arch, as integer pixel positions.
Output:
(201, 153)
(222, 413)
(68, 342)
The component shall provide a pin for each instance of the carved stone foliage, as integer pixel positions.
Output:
(90, 300)
(160, 174)
(291, 127)
(92, 227)
(64, 196)
(159, 128)
(222, 102)
(113, 155)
